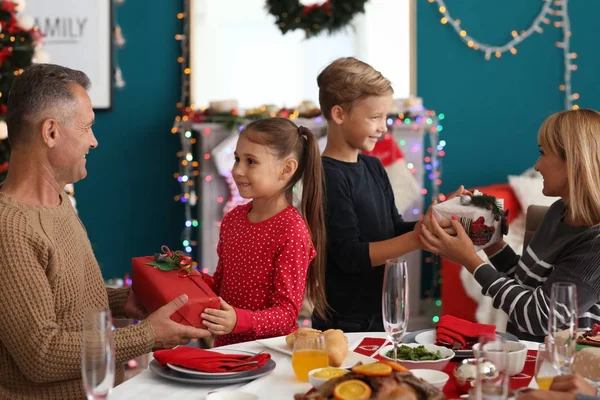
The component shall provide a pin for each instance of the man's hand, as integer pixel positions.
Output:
(220, 322)
(168, 333)
(133, 308)
(572, 384)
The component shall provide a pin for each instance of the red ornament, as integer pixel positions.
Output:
(8, 6)
(5, 53)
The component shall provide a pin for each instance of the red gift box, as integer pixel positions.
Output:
(154, 288)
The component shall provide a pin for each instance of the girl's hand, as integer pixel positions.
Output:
(457, 248)
(220, 322)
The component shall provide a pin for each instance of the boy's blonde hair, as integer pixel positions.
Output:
(575, 137)
(346, 80)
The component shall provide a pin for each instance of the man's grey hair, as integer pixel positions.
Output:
(41, 88)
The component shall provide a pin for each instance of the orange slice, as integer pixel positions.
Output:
(395, 366)
(353, 389)
(375, 369)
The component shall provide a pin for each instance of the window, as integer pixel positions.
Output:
(238, 53)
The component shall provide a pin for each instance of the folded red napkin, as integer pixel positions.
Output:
(461, 334)
(210, 361)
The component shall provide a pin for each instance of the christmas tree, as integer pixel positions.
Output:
(20, 46)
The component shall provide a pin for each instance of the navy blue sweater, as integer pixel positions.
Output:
(360, 209)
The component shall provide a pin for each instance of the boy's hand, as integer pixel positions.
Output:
(446, 225)
(220, 322)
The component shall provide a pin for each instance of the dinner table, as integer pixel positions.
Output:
(281, 383)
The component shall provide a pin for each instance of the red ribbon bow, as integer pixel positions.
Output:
(185, 262)
(166, 251)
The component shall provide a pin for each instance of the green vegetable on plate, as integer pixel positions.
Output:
(419, 353)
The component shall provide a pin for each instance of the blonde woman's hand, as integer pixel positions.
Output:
(457, 248)
(572, 384)
(545, 395)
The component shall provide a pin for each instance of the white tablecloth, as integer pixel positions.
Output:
(279, 384)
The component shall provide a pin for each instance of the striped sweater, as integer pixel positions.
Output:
(558, 252)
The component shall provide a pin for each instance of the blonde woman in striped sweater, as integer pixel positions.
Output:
(565, 247)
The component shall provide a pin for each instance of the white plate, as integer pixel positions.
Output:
(188, 371)
(278, 344)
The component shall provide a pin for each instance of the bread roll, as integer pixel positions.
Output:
(337, 346)
(336, 342)
(290, 339)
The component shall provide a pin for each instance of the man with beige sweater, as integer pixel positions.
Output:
(49, 277)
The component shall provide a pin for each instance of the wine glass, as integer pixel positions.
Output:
(492, 378)
(310, 352)
(394, 301)
(562, 325)
(544, 369)
(98, 354)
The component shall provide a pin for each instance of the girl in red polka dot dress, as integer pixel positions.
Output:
(268, 252)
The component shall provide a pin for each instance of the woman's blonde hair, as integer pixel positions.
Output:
(346, 80)
(575, 137)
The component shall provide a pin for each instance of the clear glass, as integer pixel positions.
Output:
(562, 326)
(492, 369)
(394, 301)
(544, 369)
(98, 354)
(310, 352)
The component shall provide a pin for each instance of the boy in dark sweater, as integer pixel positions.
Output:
(364, 228)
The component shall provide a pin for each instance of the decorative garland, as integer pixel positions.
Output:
(544, 16)
(232, 119)
(331, 15)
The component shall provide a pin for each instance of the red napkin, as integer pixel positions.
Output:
(452, 331)
(210, 361)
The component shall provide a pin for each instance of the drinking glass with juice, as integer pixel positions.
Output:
(310, 352)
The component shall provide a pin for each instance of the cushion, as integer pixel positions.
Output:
(528, 190)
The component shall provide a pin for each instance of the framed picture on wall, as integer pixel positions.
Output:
(78, 35)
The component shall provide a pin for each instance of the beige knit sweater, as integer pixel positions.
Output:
(49, 278)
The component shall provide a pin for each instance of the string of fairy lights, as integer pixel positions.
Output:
(550, 9)
(182, 126)
(188, 165)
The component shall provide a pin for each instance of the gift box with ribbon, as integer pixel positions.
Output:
(158, 279)
(482, 216)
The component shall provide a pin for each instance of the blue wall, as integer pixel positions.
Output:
(126, 201)
(494, 108)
